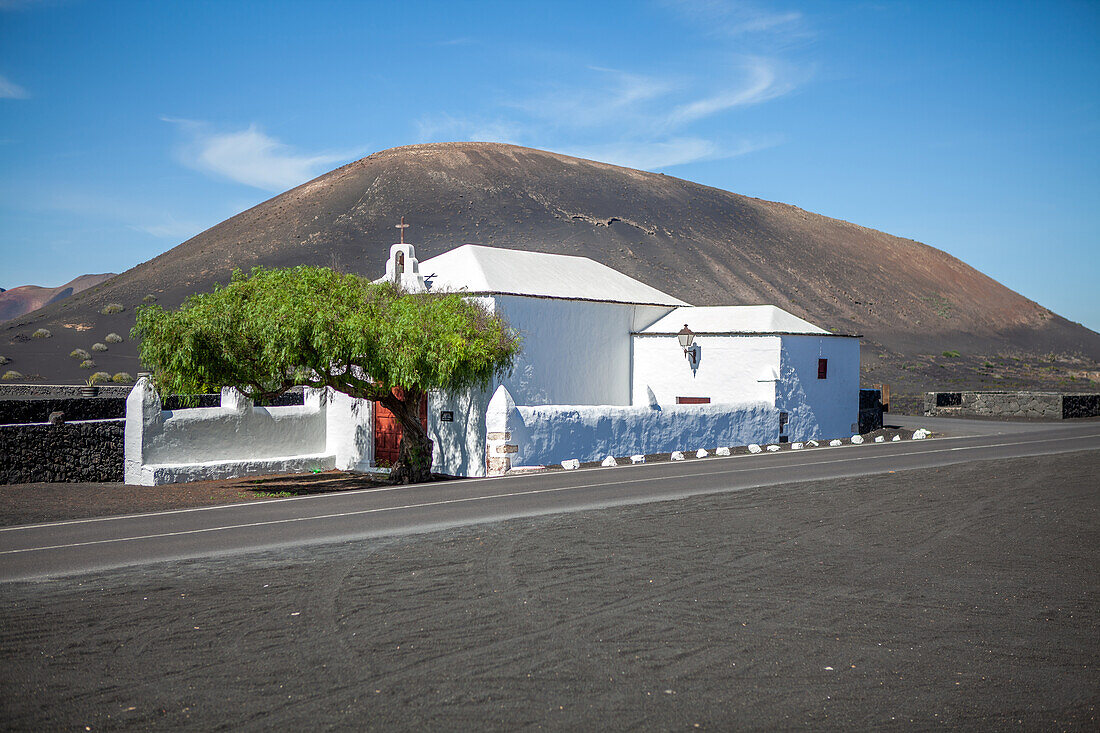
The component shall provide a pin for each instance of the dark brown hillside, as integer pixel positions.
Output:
(707, 246)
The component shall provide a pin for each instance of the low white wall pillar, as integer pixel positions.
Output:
(144, 420)
(502, 422)
(235, 401)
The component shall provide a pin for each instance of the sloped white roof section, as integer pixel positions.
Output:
(479, 269)
(733, 319)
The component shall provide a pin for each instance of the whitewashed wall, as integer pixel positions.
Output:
(238, 439)
(549, 434)
(731, 369)
(819, 408)
(458, 447)
(575, 352)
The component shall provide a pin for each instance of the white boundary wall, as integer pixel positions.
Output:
(330, 430)
(548, 434)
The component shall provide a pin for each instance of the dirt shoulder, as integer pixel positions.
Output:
(49, 502)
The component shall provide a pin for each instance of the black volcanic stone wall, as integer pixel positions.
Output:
(1080, 405)
(75, 408)
(68, 453)
(1016, 405)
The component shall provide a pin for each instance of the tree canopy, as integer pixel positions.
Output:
(268, 331)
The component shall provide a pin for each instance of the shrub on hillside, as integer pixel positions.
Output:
(4, 360)
(122, 378)
(150, 298)
(99, 347)
(99, 377)
(113, 338)
(11, 374)
(112, 308)
(80, 354)
(42, 333)
(87, 364)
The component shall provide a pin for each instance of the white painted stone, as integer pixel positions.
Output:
(857, 439)
(796, 446)
(754, 448)
(773, 448)
(637, 459)
(722, 451)
(880, 439)
(676, 456)
(571, 464)
(920, 434)
(701, 453)
(835, 442)
(895, 439)
(812, 443)
(609, 461)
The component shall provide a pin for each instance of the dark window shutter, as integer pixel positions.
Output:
(822, 368)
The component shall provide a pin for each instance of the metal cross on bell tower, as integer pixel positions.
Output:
(402, 227)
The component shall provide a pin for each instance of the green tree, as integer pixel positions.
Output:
(269, 331)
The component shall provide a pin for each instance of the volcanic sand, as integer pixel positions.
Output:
(965, 595)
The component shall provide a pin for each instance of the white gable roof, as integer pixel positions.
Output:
(733, 319)
(478, 269)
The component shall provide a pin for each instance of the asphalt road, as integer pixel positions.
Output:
(963, 595)
(82, 546)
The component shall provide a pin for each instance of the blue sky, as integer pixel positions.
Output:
(126, 128)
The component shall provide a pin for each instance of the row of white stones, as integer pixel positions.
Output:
(919, 434)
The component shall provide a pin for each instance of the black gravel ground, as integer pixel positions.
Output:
(964, 596)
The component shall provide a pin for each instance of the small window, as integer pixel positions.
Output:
(693, 400)
(822, 368)
(782, 422)
(400, 263)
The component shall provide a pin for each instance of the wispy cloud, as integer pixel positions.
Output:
(627, 119)
(170, 228)
(762, 82)
(11, 90)
(739, 18)
(657, 154)
(654, 120)
(153, 220)
(251, 157)
(614, 94)
(450, 127)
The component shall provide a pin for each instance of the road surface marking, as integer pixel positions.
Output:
(505, 495)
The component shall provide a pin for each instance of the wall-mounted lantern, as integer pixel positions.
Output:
(687, 337)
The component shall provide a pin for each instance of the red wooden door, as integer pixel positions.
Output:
(387, 433)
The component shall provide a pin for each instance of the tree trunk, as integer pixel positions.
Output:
(414, 460)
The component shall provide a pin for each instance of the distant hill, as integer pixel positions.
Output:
(704, 245)
(26, 298)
